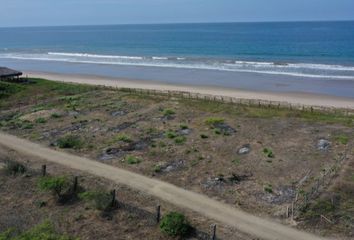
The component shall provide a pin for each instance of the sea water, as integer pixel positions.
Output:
(230, 52)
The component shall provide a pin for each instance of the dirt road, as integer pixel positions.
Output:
(258, 227)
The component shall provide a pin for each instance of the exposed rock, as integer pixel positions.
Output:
(118, 113)
(110, 153)
(225, 128)
(173, 166)
(73, 113)
(185, 131)
(245, 149)
(323, 144)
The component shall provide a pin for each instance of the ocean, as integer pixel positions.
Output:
(220, 54)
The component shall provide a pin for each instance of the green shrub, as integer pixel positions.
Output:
(214, 120)
(98, 199)
(54, 184)
(183, 126)
(13, 167)
(180, 139)
(217, 131)
(268, 188)
(130, 159)
(41, 120)
(55, 115)
(204, 136)
(44, 231)
(268, 152)
(123, 138)
(175, 224)
(27, 125)
(157, 168)
(343, 139)
(168, 112)
(171, 134)
(70, 141)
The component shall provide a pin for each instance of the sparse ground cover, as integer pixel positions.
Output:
(250, 157)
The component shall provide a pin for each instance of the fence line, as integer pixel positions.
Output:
(239, 101)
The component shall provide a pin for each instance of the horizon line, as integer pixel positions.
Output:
(178, 23)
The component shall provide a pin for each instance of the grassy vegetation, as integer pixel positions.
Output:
(180, 139)
(41, 120)
(123, 138)
(56, 185)
(214, 120)
(130, 159)
(8, 89)
(274, 112)
(44, 231)
(98, 199)
(343, 139)
(168, 112)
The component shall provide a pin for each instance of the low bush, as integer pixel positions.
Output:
(70, 141)
(183, 126)
(268, 188)
(14, 168)
(268, 152)
(41, 120)
(55, 115)
(168, 112)
(130, 159)
(57, 185)
(171, 134)
(180, 139)
(204, 136)
(175, 224)
(123, 138)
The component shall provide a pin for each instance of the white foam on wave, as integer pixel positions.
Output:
(238, 66)
(88, 55)
(159, 58)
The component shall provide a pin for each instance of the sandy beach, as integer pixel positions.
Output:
(306, 99)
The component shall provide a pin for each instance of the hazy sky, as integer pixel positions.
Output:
(83, 12)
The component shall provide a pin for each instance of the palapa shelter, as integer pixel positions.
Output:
(9, 74)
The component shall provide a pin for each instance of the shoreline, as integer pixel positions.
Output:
(298, 98)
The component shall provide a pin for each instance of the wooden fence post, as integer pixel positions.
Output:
(213, 232)
(158, 214)
(75, 184)
(44, 170)
(113, 193)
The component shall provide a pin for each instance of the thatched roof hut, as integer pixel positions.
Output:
(7, 73)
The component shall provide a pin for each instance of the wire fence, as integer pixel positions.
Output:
(303, 198)
(240, 101)
(115, 204)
